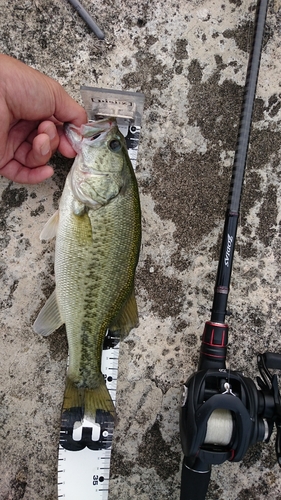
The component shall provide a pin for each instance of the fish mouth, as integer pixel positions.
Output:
(92, 133)
(92, 128)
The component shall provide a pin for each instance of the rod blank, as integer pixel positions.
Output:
(87, 18)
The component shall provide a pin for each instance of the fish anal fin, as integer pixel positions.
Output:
(49, 231)
(49, 318)
(127, 318)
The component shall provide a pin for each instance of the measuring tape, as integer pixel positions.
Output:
(85, 450)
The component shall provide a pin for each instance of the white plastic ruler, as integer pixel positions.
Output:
(83, 471)
(85, 451)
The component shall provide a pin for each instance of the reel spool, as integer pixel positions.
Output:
(220, 427)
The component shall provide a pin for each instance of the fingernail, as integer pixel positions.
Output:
(45, 149)
(52, 134)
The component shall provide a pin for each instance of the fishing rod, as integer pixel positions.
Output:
(224, 412)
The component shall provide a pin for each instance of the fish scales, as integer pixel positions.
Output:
(97, 249)
(97, 296)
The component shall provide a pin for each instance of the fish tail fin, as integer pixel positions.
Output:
(85, 403)
(98, 399)
(73, 401)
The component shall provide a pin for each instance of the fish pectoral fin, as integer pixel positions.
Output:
(49, 231)
(49, 318)
(127, 318)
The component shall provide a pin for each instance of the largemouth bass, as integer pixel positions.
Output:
(98, 234)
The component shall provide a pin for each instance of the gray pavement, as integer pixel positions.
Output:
(189, 59)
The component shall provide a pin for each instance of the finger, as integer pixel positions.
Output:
(66, 109)
(16, 136)
(16, 172)
(49, 128)
(57, 136)
(42, 149)
(35, 154)
(5, 125)
(65, 147)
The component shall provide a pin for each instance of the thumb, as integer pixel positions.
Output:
(35, 96)
(66, 109)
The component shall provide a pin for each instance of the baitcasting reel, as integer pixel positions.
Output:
(224, 412)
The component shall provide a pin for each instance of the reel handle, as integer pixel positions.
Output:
(272, 360)
(194, 482)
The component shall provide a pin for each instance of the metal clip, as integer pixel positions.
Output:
(228, 390)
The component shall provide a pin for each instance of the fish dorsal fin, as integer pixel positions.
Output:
(127, 318)
(49, 318)
(49, 231)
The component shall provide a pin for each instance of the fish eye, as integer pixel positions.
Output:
(115, 145)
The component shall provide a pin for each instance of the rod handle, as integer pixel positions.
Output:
(194, 483)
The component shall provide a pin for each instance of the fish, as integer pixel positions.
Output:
(98, 237)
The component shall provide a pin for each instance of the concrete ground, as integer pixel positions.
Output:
(189, 59)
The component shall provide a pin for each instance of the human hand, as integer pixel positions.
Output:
(33, 108)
